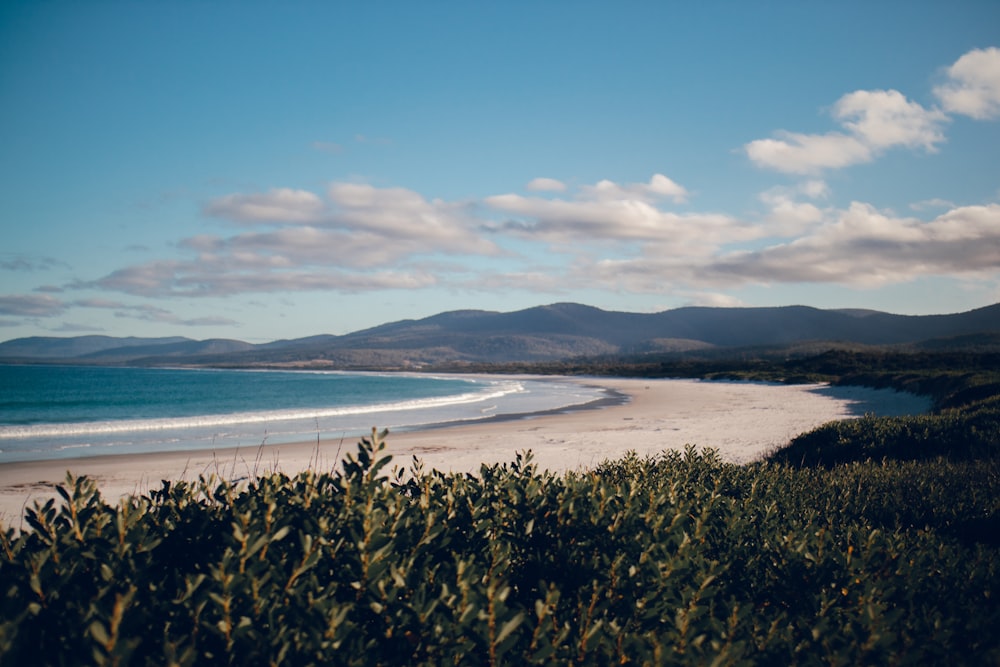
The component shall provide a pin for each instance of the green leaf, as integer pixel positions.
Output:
(257, 545)
(99, 633)
(509, 627)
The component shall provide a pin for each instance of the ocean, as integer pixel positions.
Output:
(53, 412)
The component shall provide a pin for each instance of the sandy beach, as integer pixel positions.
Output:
(743, 421)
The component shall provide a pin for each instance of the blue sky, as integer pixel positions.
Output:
(276, 170)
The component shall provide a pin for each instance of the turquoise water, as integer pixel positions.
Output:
(67, 411)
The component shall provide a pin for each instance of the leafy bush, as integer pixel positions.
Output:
(968, 434)
(674, 559)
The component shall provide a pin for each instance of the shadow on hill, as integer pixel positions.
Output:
(881, 402)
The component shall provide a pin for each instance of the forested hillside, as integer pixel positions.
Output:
(545, 334)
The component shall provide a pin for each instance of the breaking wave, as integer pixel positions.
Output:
(488, 393)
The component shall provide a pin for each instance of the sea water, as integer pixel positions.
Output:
(51, 412)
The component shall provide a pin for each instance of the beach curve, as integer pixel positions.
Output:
(742, 421)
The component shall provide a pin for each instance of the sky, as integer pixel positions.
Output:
(265, 170)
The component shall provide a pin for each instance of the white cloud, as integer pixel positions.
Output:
(808, 153)
(625, 220)
(874, 120)
(398, 214)
(227, 283)
(866, 248)
(885, 118)
(787, 215)
(606, 236)
(309, 246)
(664, 187)
(546, 185)
(31, 305)
(226, 275)
(359, 238)
(814, 189)
(357, 224)
(858, 247)
(281, 205)
(652, 273)
(974, 85)
(659, 187)
(608, 211)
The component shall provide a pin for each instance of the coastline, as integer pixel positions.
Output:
(743, 421)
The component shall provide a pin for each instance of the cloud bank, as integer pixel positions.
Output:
(603, 236)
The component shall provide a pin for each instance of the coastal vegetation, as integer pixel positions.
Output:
(872, 541)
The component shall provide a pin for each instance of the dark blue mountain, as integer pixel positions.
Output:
(544, 333)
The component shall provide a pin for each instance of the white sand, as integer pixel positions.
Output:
(743, 421)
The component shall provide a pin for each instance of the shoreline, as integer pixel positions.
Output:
(742, 421)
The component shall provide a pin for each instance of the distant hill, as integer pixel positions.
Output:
(181, 348)
(51, 347)
(544, 333)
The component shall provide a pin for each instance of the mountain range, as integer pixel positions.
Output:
(545, 333)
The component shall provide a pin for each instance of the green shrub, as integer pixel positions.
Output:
(674, 559)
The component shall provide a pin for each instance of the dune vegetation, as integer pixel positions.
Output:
(873, 541)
